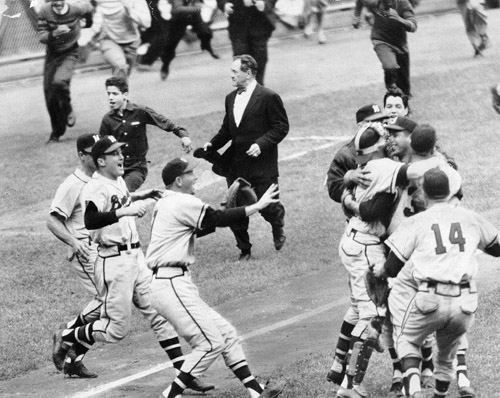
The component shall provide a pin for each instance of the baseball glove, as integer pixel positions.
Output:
(240, 193)
(495, 98)
(377, 288)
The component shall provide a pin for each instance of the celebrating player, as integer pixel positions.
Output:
(127, 122)
(66, 223)
(440, 243)
(120, 271)
(178, 217)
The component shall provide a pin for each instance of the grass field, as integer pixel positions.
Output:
(38, 291)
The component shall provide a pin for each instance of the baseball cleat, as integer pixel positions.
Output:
(59, 350)
(77, 369)
(396, 388)
(351, 393)
(200, 386)
(466, 392)
(272, 390)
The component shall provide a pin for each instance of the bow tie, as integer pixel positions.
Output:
(241, 90)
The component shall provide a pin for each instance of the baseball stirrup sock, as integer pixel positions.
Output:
(242, 371)
(462, 378)
(180, 384)
(427, 362)
(396, 363)
(344, 340)
(76, 322)
(441, 388)
(174, 351)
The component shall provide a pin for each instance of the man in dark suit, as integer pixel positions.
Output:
(251, 23)
(255, 123)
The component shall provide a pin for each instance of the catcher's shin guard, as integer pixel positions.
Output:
(373, 332)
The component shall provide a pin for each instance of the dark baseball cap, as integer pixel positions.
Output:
(436, 184)
(402, 123)
(176, 168)
(423, 138)
(369, 113)
(86, 141)
(106, 144)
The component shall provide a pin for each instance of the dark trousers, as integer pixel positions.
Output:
(57, 74)
(170, 33)
(396, 65)
(254, 45)
(135, 175)
(274, 214)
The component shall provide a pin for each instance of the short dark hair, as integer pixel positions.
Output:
(248, 63)
(396, 92)
(118, 82)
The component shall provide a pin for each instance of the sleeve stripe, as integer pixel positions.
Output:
(396, 252)
(201, 216)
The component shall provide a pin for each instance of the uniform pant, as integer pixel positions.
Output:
(448, 314)
(396, 66)
(121, 56)
(57, 74)
(475, 20)
(84, 270)
(171, 32)
(357, 252)
(124, 280)
(176, 297)
(251, 44)
(274, 214)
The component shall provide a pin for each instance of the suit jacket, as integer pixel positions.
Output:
(246, 20)
(264, 122)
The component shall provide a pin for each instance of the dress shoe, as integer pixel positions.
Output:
(71, 119)
(272, 390)
(245, 256)
(279, 239)
(164, 74)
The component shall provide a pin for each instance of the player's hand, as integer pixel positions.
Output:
(359, 177)
(392, 14)
(228, 8)
(379, 270)
(137, 208)
(62, 29)
(186, 144)
(268, 197)
(254, 151)
(260, 5)
(82, 249)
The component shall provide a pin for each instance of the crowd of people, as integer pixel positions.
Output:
(399, 191)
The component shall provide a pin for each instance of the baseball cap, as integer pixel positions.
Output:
(175, 168)
(369, 113)
(423, 138)
(86, 141)
(436, 184)
(106, 144)
(368, 140)
(402, 123)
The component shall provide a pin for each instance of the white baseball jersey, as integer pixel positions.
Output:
(411, 199)
(109, 195)
(67, 203)
(441, 242)
(176, 218)
(384, 173)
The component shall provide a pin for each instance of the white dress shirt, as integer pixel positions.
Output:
(241, 102)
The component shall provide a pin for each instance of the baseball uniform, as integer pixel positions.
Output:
(440, 243)
(66, 204)
(177, 218)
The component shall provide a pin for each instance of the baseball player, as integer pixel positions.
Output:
(66, 223)
(476, 24)
(178, 217)
(127, 122)
(440, 243)
(120, 271)
(362, 244)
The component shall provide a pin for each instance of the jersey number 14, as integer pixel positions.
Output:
(456, 237)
